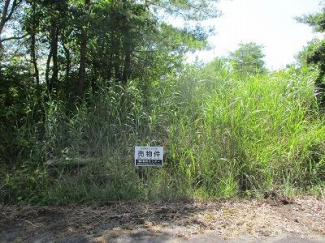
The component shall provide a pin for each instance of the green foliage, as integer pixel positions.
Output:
(228, 128)
(315, 20)
(250, 135)
(100, 182)
(305, 56)
(315, 51)
(125, 43)
(25, 185)
(223, 136)
(248, 59)
(15, 103)
(187, 9)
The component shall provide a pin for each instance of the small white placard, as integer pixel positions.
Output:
(148, 156)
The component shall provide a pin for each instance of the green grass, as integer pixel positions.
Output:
(224, 136)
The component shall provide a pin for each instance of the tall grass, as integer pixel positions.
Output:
(222, 135)
(233, 135)
(258, 133)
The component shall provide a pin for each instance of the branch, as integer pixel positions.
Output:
(211, 15)
(4, 15)
(13, 7)
(13, 38)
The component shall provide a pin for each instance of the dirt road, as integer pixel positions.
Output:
(267, 220)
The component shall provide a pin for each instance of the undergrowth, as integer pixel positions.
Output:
(223, 136)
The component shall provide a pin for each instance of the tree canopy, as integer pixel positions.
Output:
(70, 50)
(315, 52)
(77, 46)
(248, 59)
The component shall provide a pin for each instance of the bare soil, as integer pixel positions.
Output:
(271, 219)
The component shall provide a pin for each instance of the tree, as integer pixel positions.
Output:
(83, 52)
(315, 52)
(78, 45)
(9, 7)
(90, 51)
(303, 56)
(248, 59)
(75, 46)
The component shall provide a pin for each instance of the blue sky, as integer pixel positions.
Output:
(269, 23)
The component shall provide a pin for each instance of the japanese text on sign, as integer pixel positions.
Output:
(148, 156)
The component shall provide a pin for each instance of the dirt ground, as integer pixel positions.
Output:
(266, 220)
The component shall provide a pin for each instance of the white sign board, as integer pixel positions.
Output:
(148, 156)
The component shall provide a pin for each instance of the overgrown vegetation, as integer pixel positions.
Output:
(222, 136)
(225, 133)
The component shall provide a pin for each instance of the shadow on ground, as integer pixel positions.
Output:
(265, 220)
(79, 223)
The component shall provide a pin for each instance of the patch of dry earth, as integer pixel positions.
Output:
(233, 221)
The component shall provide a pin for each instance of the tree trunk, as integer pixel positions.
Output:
(4, 16)
(47, 72)
(82, 66)
(83, 53)
(54, 56)
(33, 46)
(54, 48)
(34, 58)
(68, 60)
(3, 21)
